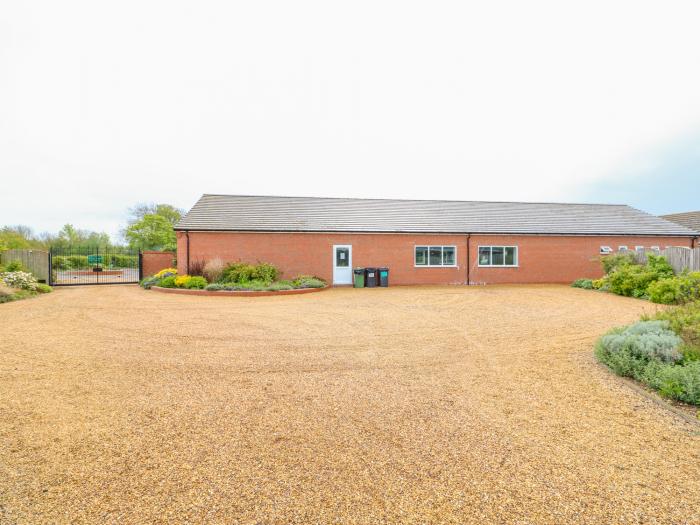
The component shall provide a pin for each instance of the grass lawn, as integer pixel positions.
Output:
(406, 404)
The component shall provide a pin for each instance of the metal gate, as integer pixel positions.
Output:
(82, 265)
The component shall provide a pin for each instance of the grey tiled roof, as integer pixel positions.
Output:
(690, 219)
(312, 214)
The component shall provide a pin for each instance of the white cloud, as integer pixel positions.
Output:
(103, 105)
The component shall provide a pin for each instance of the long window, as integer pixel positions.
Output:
(436, 256)
(498, 256)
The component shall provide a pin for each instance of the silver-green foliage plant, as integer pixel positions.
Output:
(650, 352)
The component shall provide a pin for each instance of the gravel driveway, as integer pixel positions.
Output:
(400, 405)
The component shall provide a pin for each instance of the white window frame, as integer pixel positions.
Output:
(442, 255)
(639, 249)
(517, 256)
(623, 248)
(606, 250)
(656, 249)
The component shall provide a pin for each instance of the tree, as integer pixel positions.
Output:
(168, 211)
(151, 232)
(71, 236)
(17, 238)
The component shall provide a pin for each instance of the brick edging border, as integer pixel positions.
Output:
(238, 293)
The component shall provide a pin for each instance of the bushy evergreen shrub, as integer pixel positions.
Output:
(586, 284)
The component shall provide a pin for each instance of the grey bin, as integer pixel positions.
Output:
(370, 277)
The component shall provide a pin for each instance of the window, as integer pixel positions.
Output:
(435, 256)
(639, 249)
(605, 250)
(622, 248)
(656, 249)
(498, 256)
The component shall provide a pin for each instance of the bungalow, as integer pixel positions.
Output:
(420, 241)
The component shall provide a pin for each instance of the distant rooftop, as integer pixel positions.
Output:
(315, 214)
(689, 219)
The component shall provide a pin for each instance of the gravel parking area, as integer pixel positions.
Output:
(399, 405)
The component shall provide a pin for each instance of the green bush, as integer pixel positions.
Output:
(652, 353)
(43, 288)
(237, 273)
(77, 262)
(681, 382)
(586, 284)
(685, 321)
(196, 283)
(308, 281)
(15, 266)
(215, 287)
(243, 273)
(280, 285)
(613, 262)
(675, 290)
(59, 262)
(265, 272)
(665, 291)
(167, 282)
(148, 282)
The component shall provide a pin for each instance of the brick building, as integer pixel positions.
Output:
(421, 242)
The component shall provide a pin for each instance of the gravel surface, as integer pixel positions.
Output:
(400, 405)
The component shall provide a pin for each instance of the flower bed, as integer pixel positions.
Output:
(231, 279)
(662, 353)
(16, 285)
(654, 281)
(239, 293)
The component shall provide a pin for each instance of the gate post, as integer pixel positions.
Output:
(50, 279)
(140, 266)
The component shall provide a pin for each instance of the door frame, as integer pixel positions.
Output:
(349, 247)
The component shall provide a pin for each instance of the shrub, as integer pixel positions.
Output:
(182, 280)
(196, 282)
(631, 280)
(646, 341)
(213, 270)
(665, 291)
(280, 285)
(148, 282)
(308, 281)
(586, 284)
(681, 382)
(237, 273)
(43, 288)
(59, 262)
(600, 284)
(265, 272)
(196, 268)
(659, 266)
(652, 353)
(166, 272)
(685, 321)
(613, 262)
(167, 282)
(21, 280)
(15, 266)
(215, 287)
(675, 290)
(77, 262)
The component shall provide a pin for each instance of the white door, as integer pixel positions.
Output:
(342, 264)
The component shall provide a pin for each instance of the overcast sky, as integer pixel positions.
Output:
(106, 104)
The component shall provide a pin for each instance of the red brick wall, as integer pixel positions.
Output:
(555, 259)
(153, 262)
(541, 258)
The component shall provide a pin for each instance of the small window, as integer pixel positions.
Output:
(498, 256)
(656, 249)
(435, 256)
(639, 249)
(622, 248)
(605, 250)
